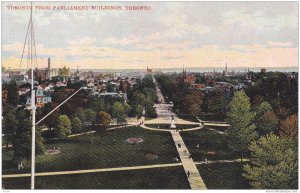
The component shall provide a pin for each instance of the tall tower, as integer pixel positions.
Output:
(225, 72)
(183, 72)
(49, 69)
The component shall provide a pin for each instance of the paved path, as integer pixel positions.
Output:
(170, 130)
(89, 132)
(222, 161)
(92, 170)
(164, 111)
(194, 178)
(216, 124)
(117, 169)
(221, 132)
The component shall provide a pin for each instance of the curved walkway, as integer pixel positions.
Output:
(170, 130)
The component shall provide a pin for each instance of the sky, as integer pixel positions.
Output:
(165, 35)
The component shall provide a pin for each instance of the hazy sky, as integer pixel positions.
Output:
(170, 34)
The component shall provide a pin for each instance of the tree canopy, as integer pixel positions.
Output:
(274, 163)
(241, 131)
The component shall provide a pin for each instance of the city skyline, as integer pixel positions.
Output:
(166, 35)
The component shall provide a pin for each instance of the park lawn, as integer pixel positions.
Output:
(187, 117)
(223, 175)
(156, 178)
(167, 126)
(219, 128)
(105, 151)
(208, 140)
(211, 117)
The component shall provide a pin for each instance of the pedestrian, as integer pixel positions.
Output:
(188, 174)
(206, 161)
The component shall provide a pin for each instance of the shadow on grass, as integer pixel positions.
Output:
(157, 178)
(223, 176)
(200, 142)
(104, 151)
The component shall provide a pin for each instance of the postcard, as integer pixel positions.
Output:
(150, 95)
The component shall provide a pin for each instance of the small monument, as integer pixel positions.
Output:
(173, 123)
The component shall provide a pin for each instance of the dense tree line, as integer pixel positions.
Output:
(270, 142)
(276, 88)
(142, 96)
(185, 100)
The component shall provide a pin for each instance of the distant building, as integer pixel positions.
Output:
(43, 74)
(225, 72)
(41, 99)
(149, 70)
(263, 70)
(197, 86)
(190, 78)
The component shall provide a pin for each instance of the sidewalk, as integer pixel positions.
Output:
(194, 178)
(92, 170)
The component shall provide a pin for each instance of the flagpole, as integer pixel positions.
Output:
(33, 107)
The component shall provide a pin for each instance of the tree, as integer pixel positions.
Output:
(13, 95)
(217, 102)
(139, 111)
(263, 108)
(257, 100)
(192, 103)
(267, 123)
(102, 120)
(140, 99)
(97, 104)
(21, 147)
(63, 126)
(241, 131)
(90, 116)
(39, 141)
(50, 121)
(282, 113)
(22, 138)
(119, 112)
(9, 123)
(67, 109)
(289, 127)
(81, 115)
(274, 163)
(76, 125)
(64, 72)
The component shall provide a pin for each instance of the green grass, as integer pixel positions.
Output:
(157, 178)
(211, 117)
(223, 176)
(167, 126)
(103, 151)
(219, 128)
(187, 117)
(208, 141)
